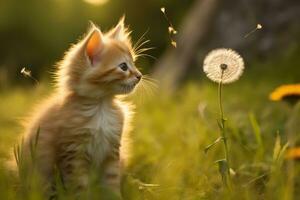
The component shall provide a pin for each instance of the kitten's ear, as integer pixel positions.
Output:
(94, 45)
(119, 31)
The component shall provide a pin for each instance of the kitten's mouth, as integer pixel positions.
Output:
(127, 87)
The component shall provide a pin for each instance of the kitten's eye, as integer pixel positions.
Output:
(123, 66)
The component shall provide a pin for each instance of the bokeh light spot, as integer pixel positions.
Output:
(96, 2)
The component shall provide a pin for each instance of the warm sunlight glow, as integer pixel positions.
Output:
(96, 2)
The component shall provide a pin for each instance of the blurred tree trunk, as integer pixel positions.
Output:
(174, 63)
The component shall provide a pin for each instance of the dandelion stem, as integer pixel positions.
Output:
(223, 131)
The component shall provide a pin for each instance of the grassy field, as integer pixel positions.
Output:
(172, 131)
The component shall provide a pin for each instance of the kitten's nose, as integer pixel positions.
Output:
(138, 76)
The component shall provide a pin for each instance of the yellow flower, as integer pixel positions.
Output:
(293, 153)
(285, 91)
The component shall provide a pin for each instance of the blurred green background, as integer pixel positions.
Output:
(35, 34)
(172, 127)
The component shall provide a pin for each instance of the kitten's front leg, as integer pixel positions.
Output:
(112, 174)
(74, 169)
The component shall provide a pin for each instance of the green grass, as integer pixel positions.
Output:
(172, 131)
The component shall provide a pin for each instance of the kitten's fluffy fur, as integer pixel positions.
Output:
(82, 125)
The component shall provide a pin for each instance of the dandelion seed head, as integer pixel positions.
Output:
(225, 64)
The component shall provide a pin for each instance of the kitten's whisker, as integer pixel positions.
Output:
(140, 45)
(149, 86)
(139, 51)
(151, 80)
(151, 89)
(143, 50)
(145, 90)
(137, 45)
(154, 82)
(140, 39)
(142, 92)
(147, 77)
(145, 55)
(151, 83)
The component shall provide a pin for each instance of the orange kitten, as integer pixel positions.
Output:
(83, 123)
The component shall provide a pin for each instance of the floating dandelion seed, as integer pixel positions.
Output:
(27, 73)
(223, 64)
(174, 44)
(171, 29)
(258, 27)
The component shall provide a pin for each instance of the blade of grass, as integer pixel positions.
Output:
(256, 130)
